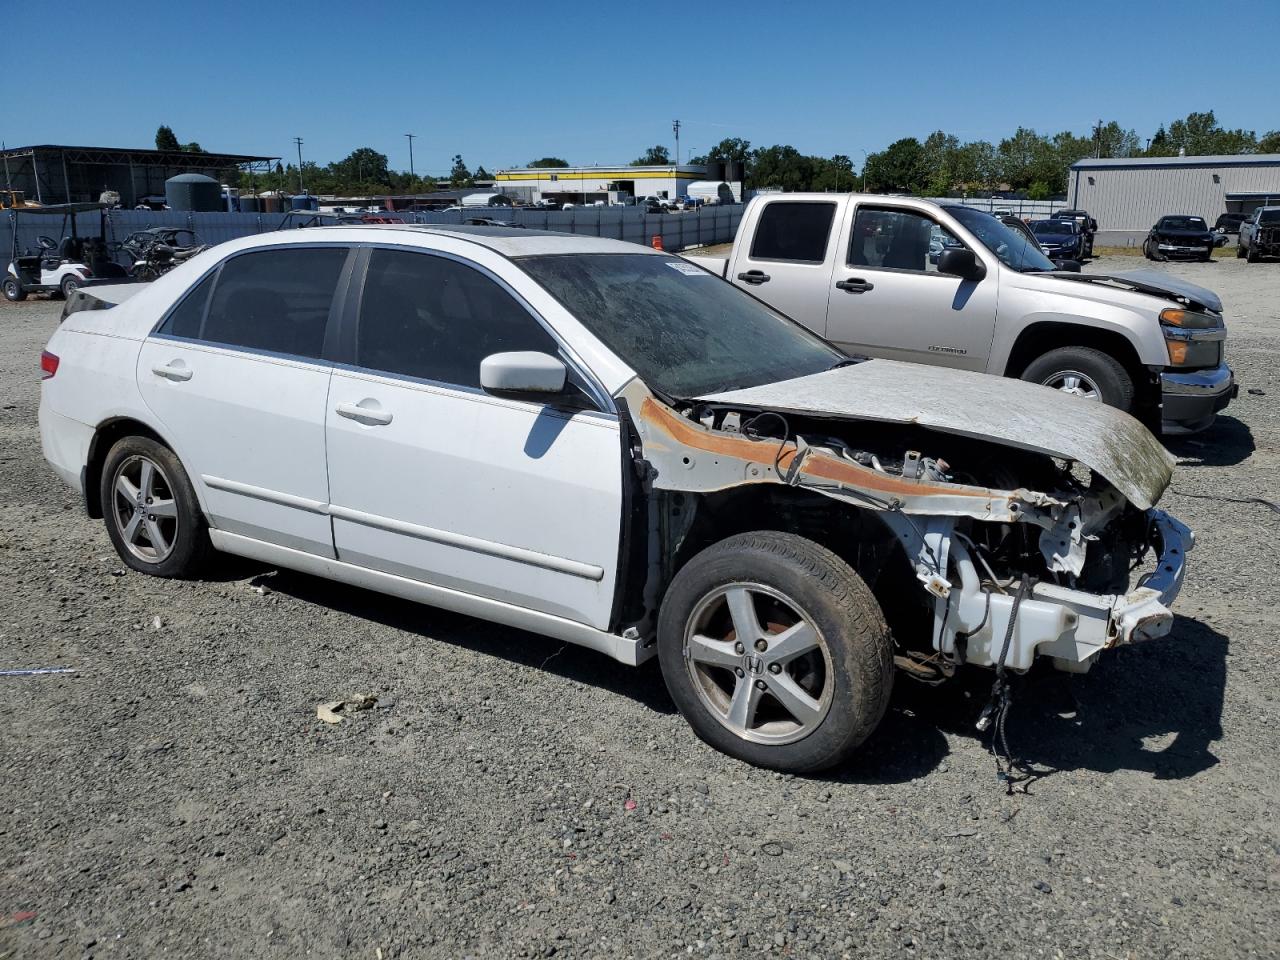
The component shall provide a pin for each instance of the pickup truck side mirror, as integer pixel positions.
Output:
(961, 262)
(523, 375)
(1067, 266)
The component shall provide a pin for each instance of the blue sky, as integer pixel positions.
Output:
(504, 83)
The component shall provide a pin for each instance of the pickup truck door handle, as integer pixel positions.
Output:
(754, 277)
(855, 285)
(173, 370)
(368, 411)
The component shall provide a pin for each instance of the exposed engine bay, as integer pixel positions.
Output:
(979, 552)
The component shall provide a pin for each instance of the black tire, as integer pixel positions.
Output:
(13, 291)
(70, 284)
(856, 653)
(1108, 375)
(186, 531)
(1151, 253)
(1239, 251)
(1252, 254)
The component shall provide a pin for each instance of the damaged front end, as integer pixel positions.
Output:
(957, 536)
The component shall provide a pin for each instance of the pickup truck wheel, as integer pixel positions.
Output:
(150, 509)
(1086, 373)
(775, 652)
(1252, 254)
(1239, 250)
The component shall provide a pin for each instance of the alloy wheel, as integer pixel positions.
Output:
(1075, 383)
(758, 663)
(144, 509)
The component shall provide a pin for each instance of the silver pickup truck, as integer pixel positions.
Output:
(908, 279)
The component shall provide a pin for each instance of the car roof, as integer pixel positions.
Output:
(506, 241)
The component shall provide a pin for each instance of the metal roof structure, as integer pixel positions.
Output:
(61, 173)
(1219, 160)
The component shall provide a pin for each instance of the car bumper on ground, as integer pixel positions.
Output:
(1191, 400)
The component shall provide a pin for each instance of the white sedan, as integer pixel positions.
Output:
(606, 444)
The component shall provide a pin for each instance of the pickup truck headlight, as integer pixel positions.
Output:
(1194, 339)
(1189, 319)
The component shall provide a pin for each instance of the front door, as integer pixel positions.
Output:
(433, 479)
(236, 377)
(887, 298)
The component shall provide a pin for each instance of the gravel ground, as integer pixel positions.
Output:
(508, 797)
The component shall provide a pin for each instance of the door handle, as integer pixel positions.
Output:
(173, 370)
(368, 411)
(855, 285)
(754, 277)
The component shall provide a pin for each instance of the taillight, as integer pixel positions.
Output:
(48, 364)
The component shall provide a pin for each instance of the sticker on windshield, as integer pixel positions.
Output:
(688, 269)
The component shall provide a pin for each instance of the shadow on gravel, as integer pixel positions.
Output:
(1228, 442)
(644, 685)
(1153, 707)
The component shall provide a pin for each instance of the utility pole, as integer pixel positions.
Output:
(410, 136)
(1097, 139)
(298, 141)
(675, 126)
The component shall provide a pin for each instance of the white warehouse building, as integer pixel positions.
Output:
(1132, 193)
(607, 184)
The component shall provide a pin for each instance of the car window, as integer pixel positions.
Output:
(898, 240)
(793, 231)
(275, 300)
(185, 319)
(435, 319)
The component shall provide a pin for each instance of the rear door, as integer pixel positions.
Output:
(889, 300)
(433, 479)
(790, 258)
(236, 375)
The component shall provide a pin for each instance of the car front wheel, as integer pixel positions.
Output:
(775, 652)
(1085, 373)
(150, 509)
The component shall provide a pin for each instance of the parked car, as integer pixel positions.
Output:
(1088, 227)
(1230, 222)
(1059, 239)
(654, 205)
(1260, 235)
(1179, 237)
(1020, 228)
(490, 222)
(856, 269)
(599, 442)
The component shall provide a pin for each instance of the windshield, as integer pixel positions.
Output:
(1013, 248)
(685, 331)
(1053, 226)
(1269, 216)
(1182, 223)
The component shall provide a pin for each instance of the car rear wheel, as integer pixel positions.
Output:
(775, 652)
(150, 509)
(13, 291)
(1085, 373)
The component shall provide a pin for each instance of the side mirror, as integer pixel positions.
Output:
(1067, 266)
(961, 262)
(522, 375)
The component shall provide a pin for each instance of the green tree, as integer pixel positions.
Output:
(547, 162)
(1269, 142)
(835, 175)
(364, 165)
(165, 139)
(459, 175)
(900, 168)
(481, 174)
(781, 166)
(654, 156)
(1200, 134)
(193, 147)
(729, 149)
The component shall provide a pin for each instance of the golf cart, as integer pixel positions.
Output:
(59, 267)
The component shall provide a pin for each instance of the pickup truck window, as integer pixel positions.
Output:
(793, 231)
(897, 240)
(1013, 249)
(685, 331)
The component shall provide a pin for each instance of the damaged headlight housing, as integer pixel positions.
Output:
(1194, 339)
